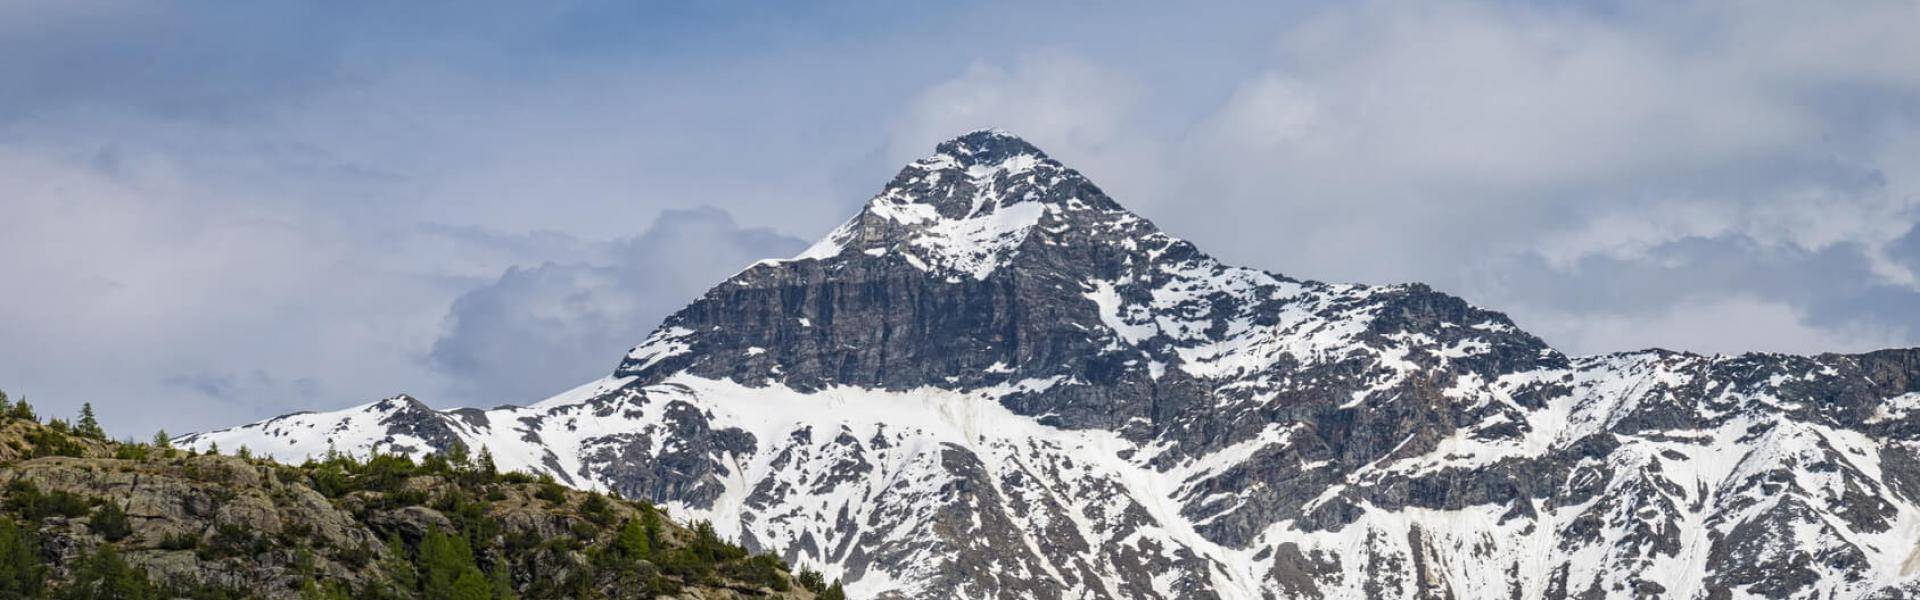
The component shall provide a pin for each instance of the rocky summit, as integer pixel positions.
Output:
(996, 382)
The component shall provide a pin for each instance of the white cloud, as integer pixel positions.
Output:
(1724, 325)
(1392, 141)
(130, 279)
(1083, 114)
(279, 216)
(1050, 98)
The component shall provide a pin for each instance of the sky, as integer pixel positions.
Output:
(214, 213)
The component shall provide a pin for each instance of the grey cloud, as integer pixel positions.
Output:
(539, 330)
(1906, 250)
(197, 194)
(1833, 288)
(243, 386)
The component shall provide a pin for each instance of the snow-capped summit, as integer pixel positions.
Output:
(996, 382)
(964, 209)
(987, 147)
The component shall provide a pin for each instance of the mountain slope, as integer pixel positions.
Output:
(84, 517)
(994, 381)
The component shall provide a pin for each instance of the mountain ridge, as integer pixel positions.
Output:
(996, 381)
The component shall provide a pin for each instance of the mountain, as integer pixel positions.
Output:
(996, 382)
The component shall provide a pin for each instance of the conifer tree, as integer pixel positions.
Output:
(22, 574)
(632, 543)
(502, 583)
(487, 466)
(89, 423)
(22, 410)
(471, 585)
(447, 569)
(650, 520)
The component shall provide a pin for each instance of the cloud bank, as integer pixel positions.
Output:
(211, 216)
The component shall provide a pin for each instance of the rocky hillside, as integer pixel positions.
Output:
(994, 381)
(84, 517)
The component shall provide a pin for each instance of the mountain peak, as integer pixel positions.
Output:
(987, 147)
(966, 208)
(993, 363)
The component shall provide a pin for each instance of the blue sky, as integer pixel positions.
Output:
(213, 213)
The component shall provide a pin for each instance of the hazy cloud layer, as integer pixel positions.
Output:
(549, 327)
(215, 215)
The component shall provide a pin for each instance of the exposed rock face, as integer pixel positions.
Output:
(996, 382)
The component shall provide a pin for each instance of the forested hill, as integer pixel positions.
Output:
(88, 517)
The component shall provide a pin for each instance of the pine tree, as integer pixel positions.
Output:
(446, 565)
(162, 441)
(835, 593)
(5, 404)
(471, 585)
(812, 580)
(632, 543)
(487, 467)
(22, 574)
(89, 424)
(455, 455)
(650, 520)
(21, 410)
(213, 448)
(502, 582)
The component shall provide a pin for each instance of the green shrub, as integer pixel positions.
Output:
(131, 451)
(232, 539)
(386, 472)
(552, 492)
(26, 499)
(358, 556)
(180, 541)
(709, 547)
(330, 479)
(597, 509)
(107, 576)
(53, 442)
(685, 564)
(765, 570)
(110, 522)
